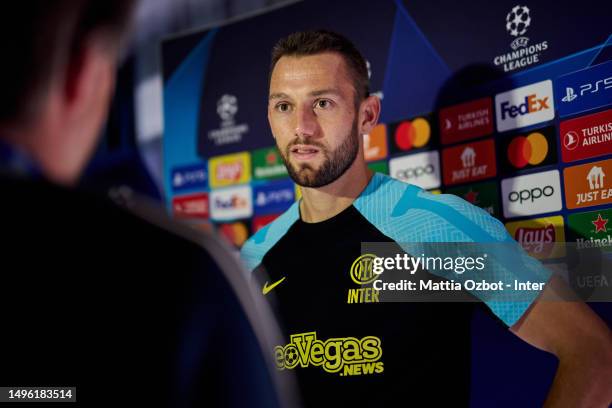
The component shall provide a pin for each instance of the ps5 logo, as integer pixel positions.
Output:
(571, 95)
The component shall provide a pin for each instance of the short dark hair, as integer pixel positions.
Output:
(38, 36)
(305, 43)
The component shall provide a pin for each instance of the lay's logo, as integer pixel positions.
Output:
(539, 236)
(525, 106)
(229, 169)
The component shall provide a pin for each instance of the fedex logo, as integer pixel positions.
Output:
(525, 106)
(531, 104)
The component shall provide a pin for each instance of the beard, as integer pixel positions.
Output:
(335, 163)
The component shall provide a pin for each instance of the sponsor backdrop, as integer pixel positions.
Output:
(509, 107)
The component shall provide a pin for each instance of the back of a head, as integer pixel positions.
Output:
(39, 37)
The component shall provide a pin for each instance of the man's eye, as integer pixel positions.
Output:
(322, 103)
(282, 107)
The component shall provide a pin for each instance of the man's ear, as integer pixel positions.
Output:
(369, 112)
(89, 69)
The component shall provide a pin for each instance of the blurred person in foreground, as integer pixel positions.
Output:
(124, 305)
(360, 350)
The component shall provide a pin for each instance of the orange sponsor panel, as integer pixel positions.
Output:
(375, 143)
(588, 184)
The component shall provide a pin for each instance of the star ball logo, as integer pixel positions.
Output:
(518, 20)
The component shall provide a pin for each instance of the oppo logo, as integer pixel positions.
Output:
(530, 194)
(414, 172)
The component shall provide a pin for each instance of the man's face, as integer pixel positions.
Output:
(313, 117)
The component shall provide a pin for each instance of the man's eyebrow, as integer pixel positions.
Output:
(278, 95)
(328, 91)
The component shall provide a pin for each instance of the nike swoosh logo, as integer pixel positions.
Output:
(267, 288)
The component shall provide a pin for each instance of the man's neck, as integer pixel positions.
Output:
(320, 204)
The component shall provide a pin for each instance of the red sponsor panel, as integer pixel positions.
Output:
(262, 221)
(191, 206)
(586, 137)
(466, 121)
(469, 162)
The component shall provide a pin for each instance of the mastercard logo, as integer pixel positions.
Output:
(412, 134)
(531, 149)
(236, 233)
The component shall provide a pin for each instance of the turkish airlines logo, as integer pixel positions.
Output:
(571, 140)
(422, 169)
(470, 162)
(588, 184)
(525, 106)
(587, 136)
(191, 206)
(466, 121)
(532, 194)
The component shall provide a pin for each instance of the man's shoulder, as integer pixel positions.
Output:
(262, 241)
(402, 209)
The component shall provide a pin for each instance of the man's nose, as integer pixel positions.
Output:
(306, 123)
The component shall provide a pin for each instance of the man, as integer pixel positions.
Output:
(360, 351)
(129, 309)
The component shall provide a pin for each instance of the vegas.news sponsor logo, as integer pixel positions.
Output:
(274, 197)
(584, 90)
(586, 137)
(467, 120)
(532, 194)
(410, 134)
(525, 106)
(538, 236)
(588, 184)
(188, 177)
(375, 143)
(591, 229)
(268, 164)
(191, 206)
(421, 169)
(231, 203)
(469, 162)
(229, 169)
(528, 150)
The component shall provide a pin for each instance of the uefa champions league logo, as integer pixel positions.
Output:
(517, 22)
(227, 106)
